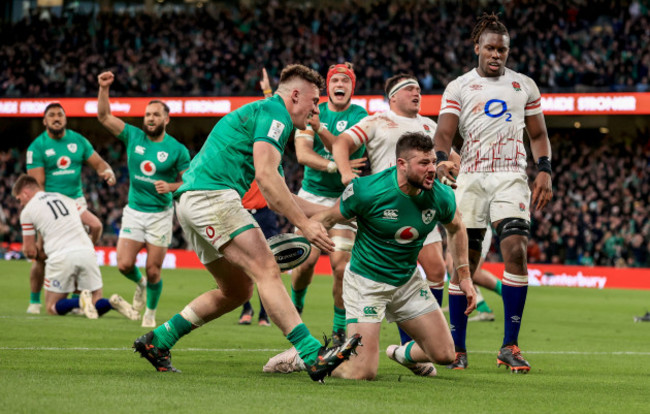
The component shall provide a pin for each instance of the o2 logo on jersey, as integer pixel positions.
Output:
(406, 235)
(63, 162)
(495, 108)
(148, 168)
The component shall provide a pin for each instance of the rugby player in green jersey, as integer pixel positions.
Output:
(395, 209)
(55, 159)
(322, 183)
(156, 161)
(247, 144)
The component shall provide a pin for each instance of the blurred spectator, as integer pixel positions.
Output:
(216, 50)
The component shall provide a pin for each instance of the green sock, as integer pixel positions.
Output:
(305, 343)
(153, 294)
(34, 297)
(166, 335)
(298, 297)
(339, 319)
(134, 274)
(497, 288)
(407, 352)
(74, 296)
(483, 307)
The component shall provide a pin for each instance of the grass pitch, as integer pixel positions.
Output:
(586, 353)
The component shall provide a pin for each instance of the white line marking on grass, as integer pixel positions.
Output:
(36, 348)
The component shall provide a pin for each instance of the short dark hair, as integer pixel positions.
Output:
(53, 105)
(418, 141)
(488, 23)
(394, 80)
(291, 72)
(23, 181)
(158, 101)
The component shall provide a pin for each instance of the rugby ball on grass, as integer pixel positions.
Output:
(289, 249)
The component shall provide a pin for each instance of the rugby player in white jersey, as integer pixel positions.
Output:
(490, 106)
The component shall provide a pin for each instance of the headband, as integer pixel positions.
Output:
(341, 68)
(400, 85)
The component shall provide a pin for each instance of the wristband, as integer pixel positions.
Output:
(331, 167)
(267, 91)
(544, 164)
(441, 156)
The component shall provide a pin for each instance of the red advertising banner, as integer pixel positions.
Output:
(553, 104)
(538, 274)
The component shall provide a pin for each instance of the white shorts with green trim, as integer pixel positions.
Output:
(211, 219)
(368, 301)
(153, 228)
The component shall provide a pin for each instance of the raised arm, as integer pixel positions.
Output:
(459, 252)
(541, 148)
(102, 168)
(114, 124)
(274, 189)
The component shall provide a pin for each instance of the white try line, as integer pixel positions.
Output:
(37, 348)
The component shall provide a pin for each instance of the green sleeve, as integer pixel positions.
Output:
(448, 205)
(34, 151)
(127, 133)
(273, 130)
(183, 162)
(351, 201)
(88, 149)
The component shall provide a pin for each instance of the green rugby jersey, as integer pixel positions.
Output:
(392, 226)
(62, 160)
(149, 162)
(322, 183)
(226, 158)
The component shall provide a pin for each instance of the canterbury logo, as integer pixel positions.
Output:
(370, 310)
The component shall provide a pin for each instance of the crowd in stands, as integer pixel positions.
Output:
(218, 50)
(600, 213)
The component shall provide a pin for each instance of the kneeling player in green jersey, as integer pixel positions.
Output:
(55, 160)
(156, 162)
(395, 210)
(247, 144)
(322, 183)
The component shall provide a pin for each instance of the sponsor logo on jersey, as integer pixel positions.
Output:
(406, 235)
(341, 125)
(516, 86)
(49, 152)
(349, 191)
(139, 149)
(475, 87)
(148, 168)
(63, 162)
(276, 130)
(428, 215)
(162, 156)
(391, 214)
(72, 148)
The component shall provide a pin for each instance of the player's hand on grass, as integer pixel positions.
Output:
(357, 164)
(315, 232)
(162, 187)
(447, 172)
(542, 190)
(105, 79)
(467, 286)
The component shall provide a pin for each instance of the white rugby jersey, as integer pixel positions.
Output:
(56, 217)
(491, 113)
(380, 132)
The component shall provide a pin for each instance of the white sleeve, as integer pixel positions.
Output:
(451, 99)
(534, 102)
(27, 223)
(363, 131)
